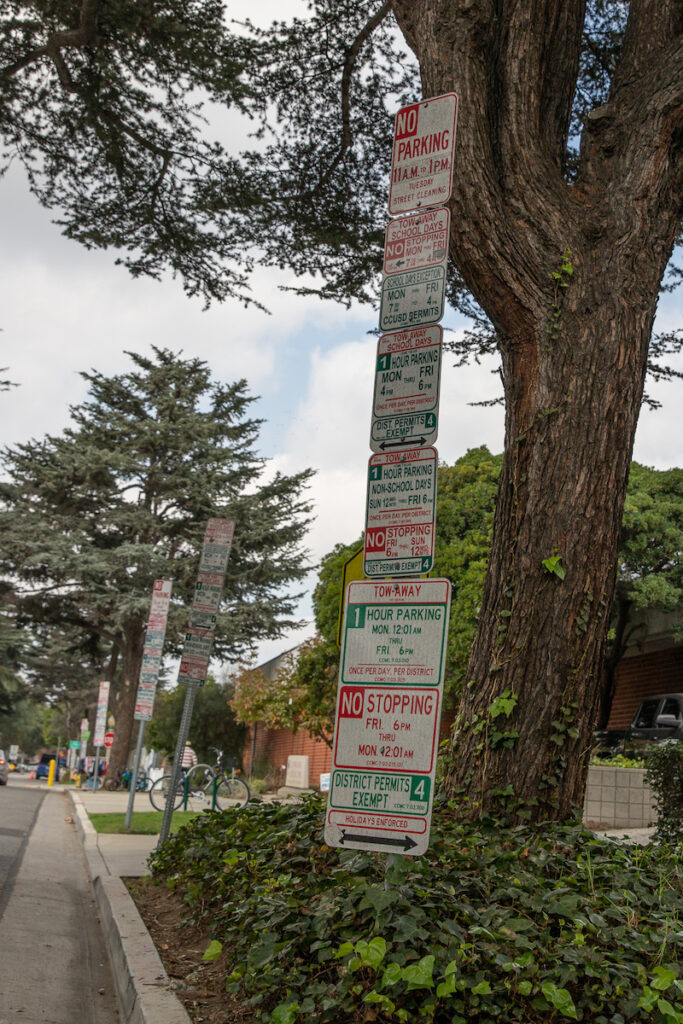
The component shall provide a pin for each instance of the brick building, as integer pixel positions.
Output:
(653, 664)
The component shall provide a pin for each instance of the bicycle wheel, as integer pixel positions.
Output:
(231, 792)
(201, 777)
(159, 792)
(111, 784)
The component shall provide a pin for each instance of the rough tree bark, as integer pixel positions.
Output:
(573, 348)
(125, 691)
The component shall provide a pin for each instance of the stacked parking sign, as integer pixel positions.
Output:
(208, 591)
(153, 649)
(395, 626)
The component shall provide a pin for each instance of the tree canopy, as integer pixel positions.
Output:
(90, 518)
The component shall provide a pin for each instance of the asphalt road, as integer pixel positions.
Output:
(53, 961)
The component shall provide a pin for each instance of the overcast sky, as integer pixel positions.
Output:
(65, 309)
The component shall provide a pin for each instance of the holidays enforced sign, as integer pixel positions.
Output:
(422, 156)
(389, 703)
(400, 516)
(405, 406)
(416, 242)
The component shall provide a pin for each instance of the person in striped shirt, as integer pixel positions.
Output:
(189, 758)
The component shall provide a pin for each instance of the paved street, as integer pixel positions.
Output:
(53, 962)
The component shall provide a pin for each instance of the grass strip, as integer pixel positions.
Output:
(144, 823)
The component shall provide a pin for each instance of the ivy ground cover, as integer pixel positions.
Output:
(495, 924)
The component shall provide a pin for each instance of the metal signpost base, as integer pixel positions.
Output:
(180, 745)
(96, 770)
(134, 777)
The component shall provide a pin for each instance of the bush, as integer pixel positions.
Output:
(618, 761)
(665, 776)
(493, 926)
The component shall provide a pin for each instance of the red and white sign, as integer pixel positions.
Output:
(422, 157)
(400, 513)
(153, 650)
(405, 404)
(399, 725)
(389, 703)
(417, 242)
(108, 739)
(101, 719)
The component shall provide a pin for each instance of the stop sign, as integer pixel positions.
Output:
(108, 739)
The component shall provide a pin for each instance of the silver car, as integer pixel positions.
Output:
(4, 769)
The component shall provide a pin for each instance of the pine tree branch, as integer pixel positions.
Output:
(77, 38)
(349, 64)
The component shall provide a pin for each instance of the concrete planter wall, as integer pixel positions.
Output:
(618, 798)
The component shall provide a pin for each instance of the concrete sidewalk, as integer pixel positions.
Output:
(142, 985)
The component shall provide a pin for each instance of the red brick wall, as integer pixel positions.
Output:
(644, 676)
(275, 745)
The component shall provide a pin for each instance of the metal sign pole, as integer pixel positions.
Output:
(96, 769)
(134, 777)
(180, 745)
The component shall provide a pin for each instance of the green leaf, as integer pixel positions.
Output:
(648, 999)
(384, 1001)
(672, 1016)
(553, 566)
(213, 950)
(285, 1013)
(344, 950)
(420, 975)
(663, 978)
(559, 998)
(482, 989)
(371, 953)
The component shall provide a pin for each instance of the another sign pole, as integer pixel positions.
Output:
(194, 664)
(149, 673)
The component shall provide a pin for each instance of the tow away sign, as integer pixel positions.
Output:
(405, 407)
(416, 242)
(400, 513)
(389, 703)
(422, 157)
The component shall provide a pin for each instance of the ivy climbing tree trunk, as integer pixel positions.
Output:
(569, 274)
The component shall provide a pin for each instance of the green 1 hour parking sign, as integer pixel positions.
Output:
(389, 703)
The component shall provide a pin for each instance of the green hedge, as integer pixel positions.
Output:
(525, 924)
(665, 776)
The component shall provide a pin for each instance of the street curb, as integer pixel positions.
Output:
(142, 985)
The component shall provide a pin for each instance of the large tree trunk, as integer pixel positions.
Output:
(123, 704)
(569, 276)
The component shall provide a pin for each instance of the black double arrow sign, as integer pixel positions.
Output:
(406, 843)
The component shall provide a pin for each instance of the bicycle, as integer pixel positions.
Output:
(121, 780)
(202, 781)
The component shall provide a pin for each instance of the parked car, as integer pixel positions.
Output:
(4, 769)
(657, 718)
(43, 766)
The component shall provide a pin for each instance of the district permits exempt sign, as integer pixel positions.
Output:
(389, 703)
(422, 157)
